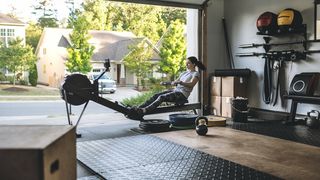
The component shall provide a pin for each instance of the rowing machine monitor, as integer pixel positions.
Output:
(107, 64)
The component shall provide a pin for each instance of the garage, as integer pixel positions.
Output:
(259, 92)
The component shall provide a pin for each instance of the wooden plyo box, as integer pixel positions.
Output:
(37, 152)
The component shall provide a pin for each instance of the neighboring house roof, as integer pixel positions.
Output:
(7, 20)
(108, 44)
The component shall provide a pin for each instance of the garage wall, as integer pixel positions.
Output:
(241, 18)
(215, 42)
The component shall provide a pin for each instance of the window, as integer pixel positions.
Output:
(10, 32)
(6, 35)
(44, 69)
(6, 32)
(2, 32)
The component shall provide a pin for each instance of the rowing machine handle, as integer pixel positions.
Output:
(168, 83)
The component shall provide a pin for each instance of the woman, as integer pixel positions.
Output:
(184, 85)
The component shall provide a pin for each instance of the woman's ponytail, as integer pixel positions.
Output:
(196, 62)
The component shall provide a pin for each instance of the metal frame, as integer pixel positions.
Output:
(202, 39)
(316, 2)
(166, 3)
(299, 99)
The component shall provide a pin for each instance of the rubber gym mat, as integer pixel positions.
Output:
(297, 133)
(148, 157)
(89, 178)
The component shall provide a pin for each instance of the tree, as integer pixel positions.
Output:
(138, 61)
(33, 34)
(142, 20)
(115, 16)
(17, 58)
(72, 13)
(173, 50)
(80, 52)
(95, 13)
(169, 14)
(48, 14)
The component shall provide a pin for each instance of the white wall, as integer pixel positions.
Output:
(192, 46)
(241, 17)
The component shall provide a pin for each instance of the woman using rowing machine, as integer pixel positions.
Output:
(184, 85)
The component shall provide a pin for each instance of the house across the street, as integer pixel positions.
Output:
(52, 54)
(10, 28)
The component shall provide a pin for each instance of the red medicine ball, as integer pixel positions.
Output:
(267, 22)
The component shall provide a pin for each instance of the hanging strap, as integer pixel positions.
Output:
(267, 81)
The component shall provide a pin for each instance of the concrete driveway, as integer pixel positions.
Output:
(122, 93)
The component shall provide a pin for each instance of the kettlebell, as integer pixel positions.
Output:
(201, 125)
(313, 121)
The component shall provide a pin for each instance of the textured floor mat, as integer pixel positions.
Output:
(89, 178)
(297, 133)
(149, 157)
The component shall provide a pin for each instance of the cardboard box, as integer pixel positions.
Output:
(38, 152)
(216, 105)
(215, 89)
(226, 109)
(234, 86)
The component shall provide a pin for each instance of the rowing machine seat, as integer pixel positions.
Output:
(181, 102)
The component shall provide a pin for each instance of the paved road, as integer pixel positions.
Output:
(57, 107)
(47, 108)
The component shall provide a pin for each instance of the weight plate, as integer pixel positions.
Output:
(182, 119)
(155, 125)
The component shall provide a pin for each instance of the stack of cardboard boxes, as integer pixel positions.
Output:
(223, 89)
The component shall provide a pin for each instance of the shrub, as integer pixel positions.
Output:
(2, 77)
(23, 82)
(139, 99)
(10, 79)
(33, 75)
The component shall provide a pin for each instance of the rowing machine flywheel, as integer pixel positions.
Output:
(72, 83)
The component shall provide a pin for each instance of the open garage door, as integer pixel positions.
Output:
(201, 7)
(194, 4)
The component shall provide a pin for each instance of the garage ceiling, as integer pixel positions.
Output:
(195, 4)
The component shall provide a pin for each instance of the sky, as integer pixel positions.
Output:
(24, 8)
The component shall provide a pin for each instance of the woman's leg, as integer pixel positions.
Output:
(167, 97)
(153, 98)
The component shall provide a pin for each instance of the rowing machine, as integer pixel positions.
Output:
(76, 89)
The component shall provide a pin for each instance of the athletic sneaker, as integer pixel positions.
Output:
(135, 114)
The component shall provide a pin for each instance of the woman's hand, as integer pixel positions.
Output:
(176, 82)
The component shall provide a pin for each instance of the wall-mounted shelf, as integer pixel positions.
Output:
(286, 30)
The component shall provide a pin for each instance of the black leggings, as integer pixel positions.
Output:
(165, 96)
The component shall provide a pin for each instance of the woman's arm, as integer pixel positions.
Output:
(190, 84)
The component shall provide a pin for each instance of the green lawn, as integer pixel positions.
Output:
(18, 92)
